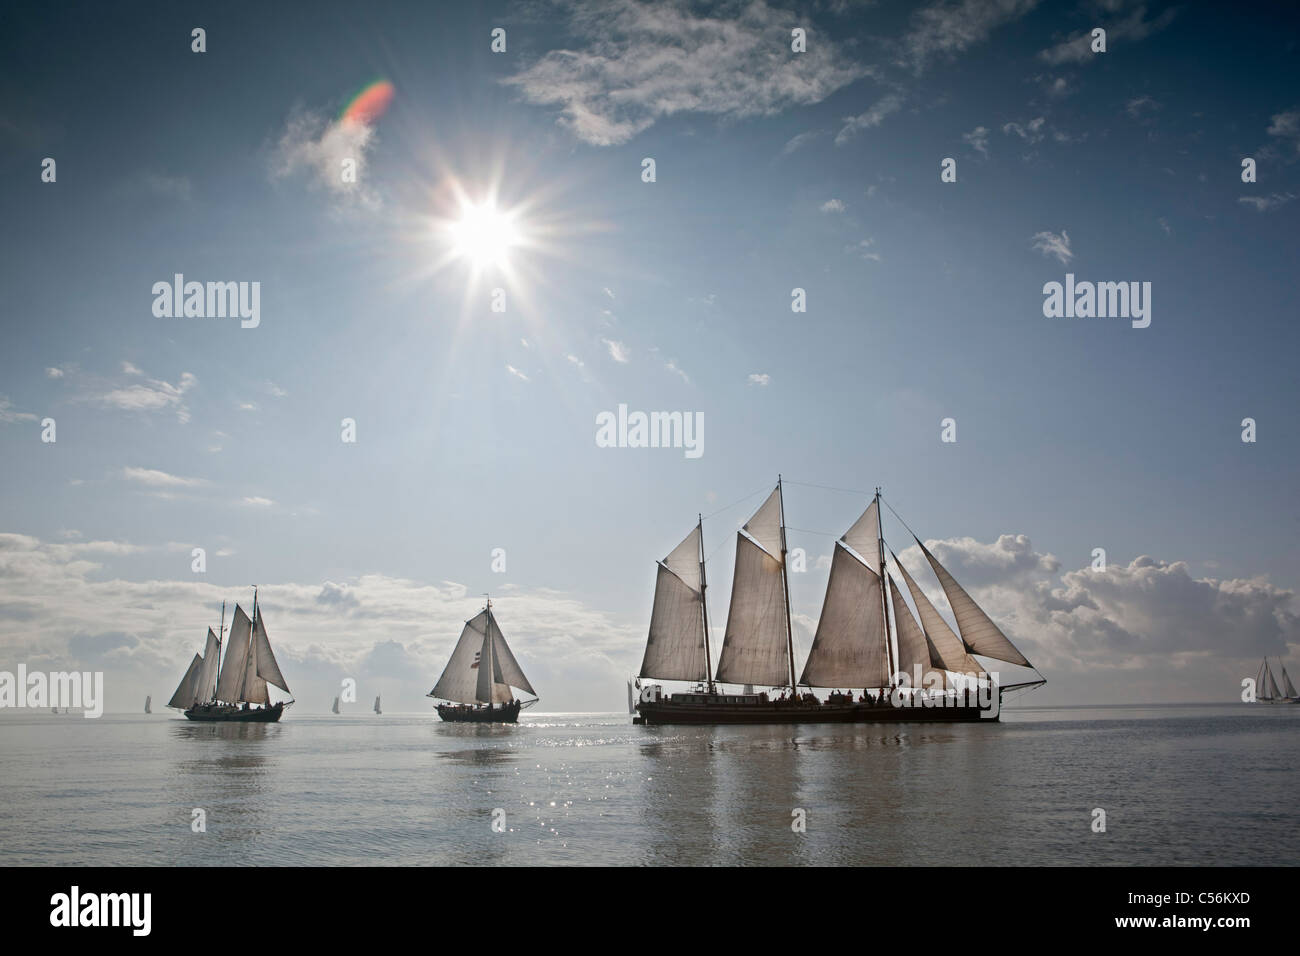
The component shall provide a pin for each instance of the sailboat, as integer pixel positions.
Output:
(335, 708)
(480, 675)
(377, 710)
(1266, 689)
(147, 702)
(227, 691)
(908, 672)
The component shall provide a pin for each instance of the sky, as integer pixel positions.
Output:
(475, 426)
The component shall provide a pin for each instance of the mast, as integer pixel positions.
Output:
(243, 678)
(891, 665)
(704, 609)
(491, 660)
(785, 587)
(221, 636)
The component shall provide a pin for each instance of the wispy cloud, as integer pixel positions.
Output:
(151, 396)
(977, 139)
(947, 28)
(617, 350)
(882, 108)
(1050, 244)
(9, 416)
(1267, 203)
(762, 379)
(256, 501)
(863, 249)
(799, 141)
(317, 146)
(832, 205)
(159, 479)
(517, 374)
(639, 63)
(671, 365)
(1078, 47)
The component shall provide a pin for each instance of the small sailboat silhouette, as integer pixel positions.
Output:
(335, 708)
(147, 701)
(377, 710)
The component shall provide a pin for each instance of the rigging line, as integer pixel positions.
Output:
(734, 503)
(828, 534)
(847, 491)
(900, 518)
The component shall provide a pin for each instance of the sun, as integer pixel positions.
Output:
(484, 236)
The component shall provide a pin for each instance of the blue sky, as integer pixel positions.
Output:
(476, 429)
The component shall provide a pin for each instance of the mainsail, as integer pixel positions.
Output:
(675, 649)
(1286, 683)
(233, 668)
(207, 686)
(981, 635)
(851, 646)
(482, 668)
(755, 649)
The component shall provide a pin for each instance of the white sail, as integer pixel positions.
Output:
(913, 648)
(236, 662)
(254, 688)
(948, 651)
(684, 561)
(266, 667)
(186, 693)
(849, 649)
(490, 687)
(1273, 692)
(511, 673)
(1286, 683)
(459, 678)
(765, 525)
(981, 635)
(755, 649)
(864, 536)
(207, 685)
(675, 648)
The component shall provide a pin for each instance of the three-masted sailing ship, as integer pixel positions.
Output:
(236, 689)
(479, 678)
(1266, 689)
(910, 671)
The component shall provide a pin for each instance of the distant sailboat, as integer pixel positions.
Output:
(1266, 689)
(213, 690)
(480, 674)
(854, 645)
(377, 710)
(335, 708)
(147, 702)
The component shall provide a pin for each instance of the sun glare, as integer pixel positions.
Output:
(484, 236)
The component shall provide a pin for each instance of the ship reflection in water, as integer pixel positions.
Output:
(1181, 786)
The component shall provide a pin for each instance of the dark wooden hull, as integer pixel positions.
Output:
(231, 714)
(458, 713)
(667, 711)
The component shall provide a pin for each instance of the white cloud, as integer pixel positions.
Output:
(1140, 106)
(832, 205)
(863, 249)
(947, 28)
(1078, 47)
(275, 390)
(130, 369)
(977, 139)
(671, 365)
(517, 374)
(257, 501)
(617, 350)
(1267, 203)
(152, 396)
(1050, 244)
(54, 373)
(8, 416)
(159, 479)
(799, 141)
(760, 378)
(1286, 127)
(882, 108)
(317, 146)
(1031, 132)
(641, 62)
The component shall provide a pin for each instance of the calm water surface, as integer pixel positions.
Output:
(1180, 785)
